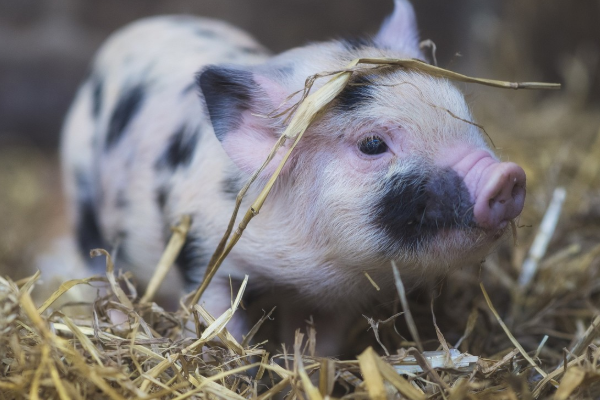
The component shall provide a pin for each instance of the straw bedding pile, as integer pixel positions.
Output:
(524, 324)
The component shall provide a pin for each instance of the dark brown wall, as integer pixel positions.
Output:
(45, 46)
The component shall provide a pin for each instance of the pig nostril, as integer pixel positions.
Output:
(516, 190)
(502, 201)
(494, 199)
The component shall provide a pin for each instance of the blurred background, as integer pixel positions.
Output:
(46, 47)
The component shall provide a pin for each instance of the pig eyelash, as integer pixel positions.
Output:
(372, 145)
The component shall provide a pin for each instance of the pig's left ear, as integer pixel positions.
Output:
(237, 100)
(399, 31)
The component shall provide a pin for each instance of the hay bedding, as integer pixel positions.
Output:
(523, 325)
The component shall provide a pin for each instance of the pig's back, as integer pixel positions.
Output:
(176, 46)
(138, 127)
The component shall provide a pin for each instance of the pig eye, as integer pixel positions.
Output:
(372, 145)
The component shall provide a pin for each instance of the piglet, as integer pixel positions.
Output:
(171, 121)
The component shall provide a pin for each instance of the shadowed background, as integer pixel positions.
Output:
(46, 47)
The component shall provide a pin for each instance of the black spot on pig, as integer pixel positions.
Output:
(285, 71)
(192, 261)
(357, 93)
(357, 43)
(231, 185)
(119, 246)
(205, 33)
(121, 200)
(127, 106)
(88, 229)
(87, 232)
(162, 195)
(180, 150)
(119, 238)
(97, 91)
(251, 50)
(227, 93)
(417, 205)
(449, 201)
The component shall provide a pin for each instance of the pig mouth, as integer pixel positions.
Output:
(420, 210)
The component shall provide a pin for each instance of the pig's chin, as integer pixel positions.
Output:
(454, 248)
(466, 241)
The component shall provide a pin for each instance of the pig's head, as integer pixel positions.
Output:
(394, 169)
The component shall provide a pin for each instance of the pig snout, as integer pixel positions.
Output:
(497, 189)
(501, 195)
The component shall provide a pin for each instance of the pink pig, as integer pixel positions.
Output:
(170, 122)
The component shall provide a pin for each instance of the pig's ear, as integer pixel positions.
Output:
(399, 30)
(237, 99)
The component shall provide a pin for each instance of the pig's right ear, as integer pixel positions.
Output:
(237, 100)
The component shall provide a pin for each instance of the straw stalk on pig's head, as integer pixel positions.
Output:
(172, 121)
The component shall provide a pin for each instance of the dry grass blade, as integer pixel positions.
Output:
(217, 327)
(569, 383)
(351, 379)
(375, 285)
(65, 287)
(256, 327)
(490, 369)
(540, 346)
(442, 339)
(510, 335)
(207, 381)
(275, 390)
(83, 339)
(326, 377)
(29, 308)
(412, 327)
(311, 391)
(375, 327)
(469, 328)
(28, 285)
(110, 274)
(60, 388)
(168, 257)
(371, 374)
(401, 384)
(550, 378)
(219, 253)
(422, 66)
(590, 334)
(539, 246)
(422, 361)
(35, 385)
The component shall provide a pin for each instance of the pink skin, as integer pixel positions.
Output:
(497, 188)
